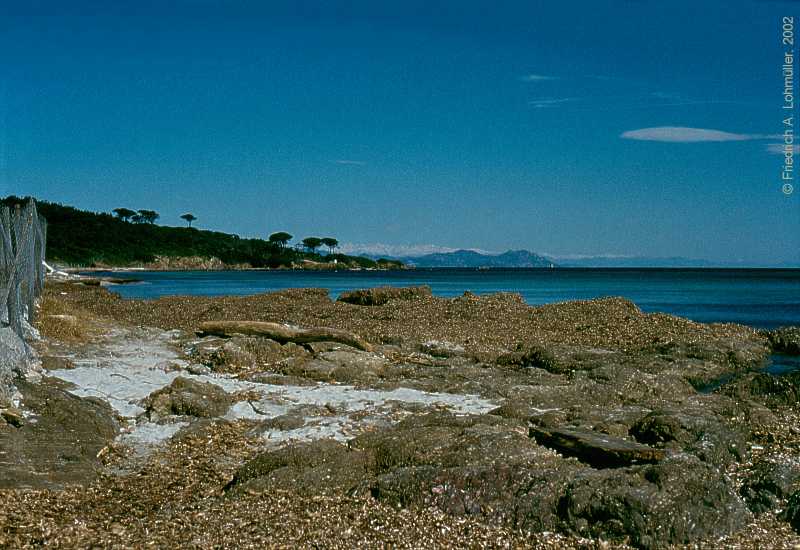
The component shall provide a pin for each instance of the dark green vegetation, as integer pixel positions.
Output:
(81, 238)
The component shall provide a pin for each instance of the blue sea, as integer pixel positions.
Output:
(763, 298)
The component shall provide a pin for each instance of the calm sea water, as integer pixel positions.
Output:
(764, 298)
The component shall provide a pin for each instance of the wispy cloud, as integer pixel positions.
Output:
(350, 162)
(680, 134)
(780, 148)
(544, 103)
(538, 78)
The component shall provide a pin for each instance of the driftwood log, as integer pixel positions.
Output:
(282, 333)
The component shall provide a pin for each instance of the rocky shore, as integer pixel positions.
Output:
(474, 421)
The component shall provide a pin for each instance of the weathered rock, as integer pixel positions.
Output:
(675, 501)
(379, 296)
(58, 443)
(596, 449)
(769, 483)
(187, 397)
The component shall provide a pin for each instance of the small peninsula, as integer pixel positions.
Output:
(131, 239)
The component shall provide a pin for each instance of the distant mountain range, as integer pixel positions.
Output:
(526, 258)
(470, 258)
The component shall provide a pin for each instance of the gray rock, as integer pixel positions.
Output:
(674, 502)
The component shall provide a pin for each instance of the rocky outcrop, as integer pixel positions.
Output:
(673, 502)
(379, 296)
(57, 441)
(485, 466)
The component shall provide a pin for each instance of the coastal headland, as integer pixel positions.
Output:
(391, 416)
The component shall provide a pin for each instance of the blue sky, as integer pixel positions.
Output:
(488, 125)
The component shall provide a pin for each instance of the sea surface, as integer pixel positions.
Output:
(763, 298)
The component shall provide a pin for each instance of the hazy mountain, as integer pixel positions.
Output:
(470, 258)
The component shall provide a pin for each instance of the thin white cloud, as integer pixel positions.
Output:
(538, 78)
(550, 102)
(350, 162)
(679, 134)
(780, 148)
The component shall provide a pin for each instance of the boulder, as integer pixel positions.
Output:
(54, 439)
(186, 397)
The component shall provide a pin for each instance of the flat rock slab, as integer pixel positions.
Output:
(596, 449)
